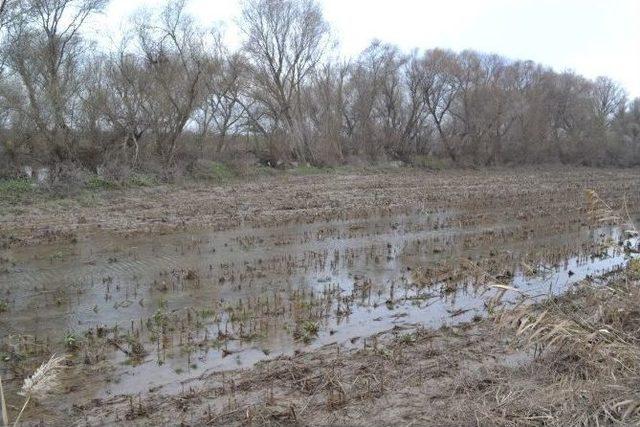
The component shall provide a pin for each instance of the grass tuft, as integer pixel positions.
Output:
(99, 183)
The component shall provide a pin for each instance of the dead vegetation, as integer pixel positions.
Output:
(551, 195)
(586, 354)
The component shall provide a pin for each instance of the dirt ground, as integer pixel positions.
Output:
(550, 192)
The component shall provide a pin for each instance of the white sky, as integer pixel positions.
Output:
(591, 37)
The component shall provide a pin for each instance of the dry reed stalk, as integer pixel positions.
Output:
(43, 381)
(601, 211)
(3, 403)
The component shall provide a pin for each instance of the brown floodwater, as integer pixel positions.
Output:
(155, 311)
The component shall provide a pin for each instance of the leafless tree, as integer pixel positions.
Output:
(285, 41)
(45, 50)
(439, 91)
(223, 111)
(172, 47)
(123, 97)
(417, 129)
(170, 86)
(7, 13)
(608, 98)
(324, 106)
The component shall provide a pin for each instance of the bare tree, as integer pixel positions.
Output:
(439, 90)
(285, 41)
(45, 50)
(7, 13)
(608, 98)
(123, 98)
(222, 111)
(324, 106)
(172, 47)
(417, 129)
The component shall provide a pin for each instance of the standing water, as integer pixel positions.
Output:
(140, 313)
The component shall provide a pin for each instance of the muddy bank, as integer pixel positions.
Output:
(546, 193)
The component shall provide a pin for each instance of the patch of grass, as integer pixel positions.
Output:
(15, 190)
(213, 171)
(262, 170)
(428, 162)
(87, 198)
(309, 170)
(99, 183)
(159, 322)
(221, 172)
(4, 306)
(71, 342)
(407, 339)
(633, 269)
(141, 180)
(306, 331)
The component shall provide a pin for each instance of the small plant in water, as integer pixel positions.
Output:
(137, 351)
(71, 342)
(307, 331)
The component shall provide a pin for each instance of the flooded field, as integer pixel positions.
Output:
(148, 312)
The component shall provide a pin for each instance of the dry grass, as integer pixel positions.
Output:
(585, 347)
(43, 382)
(602, 212)
(586, 354)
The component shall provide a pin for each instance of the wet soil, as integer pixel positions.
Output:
(475, 373)
(541, 192)
(154, 293)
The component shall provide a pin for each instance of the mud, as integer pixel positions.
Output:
(155, 290)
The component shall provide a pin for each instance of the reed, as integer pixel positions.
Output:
(44, 381)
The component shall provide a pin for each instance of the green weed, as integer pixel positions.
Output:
(15, 190)
(99, 183)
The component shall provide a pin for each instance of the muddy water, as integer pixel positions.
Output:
(140, 313)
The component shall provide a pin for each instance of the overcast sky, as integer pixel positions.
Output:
(591, 37)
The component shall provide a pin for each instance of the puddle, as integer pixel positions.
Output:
(198, 302)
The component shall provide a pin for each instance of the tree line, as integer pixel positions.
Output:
(172, 92)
